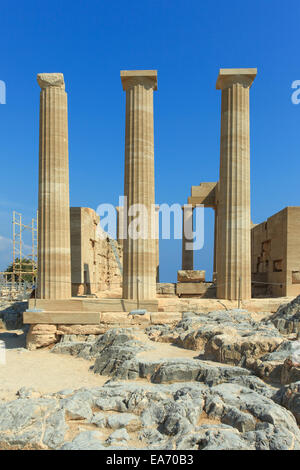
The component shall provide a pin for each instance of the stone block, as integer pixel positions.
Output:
(193, 288)
(166, 288)
(120, 318)
(59, 317)
(37, 338)
(81, 329)
(162, 318)
(140, 319)
(189, 275)
(43, 329)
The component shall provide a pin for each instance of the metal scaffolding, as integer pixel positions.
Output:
(24, 254)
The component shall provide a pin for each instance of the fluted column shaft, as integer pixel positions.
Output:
(140, 254)
(215, 242)
(187, 262)
(54, 253)
(157, 241)
(234, 243)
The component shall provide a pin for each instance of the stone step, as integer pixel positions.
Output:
(92, 305)
(61, 317)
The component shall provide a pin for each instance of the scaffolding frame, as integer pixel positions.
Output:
(20, 254)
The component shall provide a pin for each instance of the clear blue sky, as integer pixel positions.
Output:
(187, 42)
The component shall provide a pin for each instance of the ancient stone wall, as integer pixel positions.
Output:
(276, 254)
(93, 262)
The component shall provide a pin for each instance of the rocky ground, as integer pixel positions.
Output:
(222, 380)
(11, 317)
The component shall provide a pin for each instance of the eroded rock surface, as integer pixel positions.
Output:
(289, 397)
(287, 317)
(11, 314)
(233, 337)
(127, 415)
(226, 396)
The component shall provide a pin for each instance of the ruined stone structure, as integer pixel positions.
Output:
(157, 241)
(233, 206)
(276, 254)
(54, 255)
(94, 266)
(74, 259)
(121, 231)
(140, 259)
(187, 255)
(230, 197)
(206, 195)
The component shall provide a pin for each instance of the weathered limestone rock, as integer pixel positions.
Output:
(185, 370)
(196, 339)
(229, 337)
(188, 275)
(290, 372)
(42, 329)
(80, 347)
(115, 352)
(80, 329)
(270, 420)
(54, 253)
(161, 333)
(78, 407)
(129, 421)
(39, 341)
(225, 411)
(269, 371)
(23, 421)
(11, 315)
(160, 318)
(279, 366)
(86, 440)
(233, 349)
(289, 397)
(234, 223)
(40, 336)
(287, 317)
(140, 255)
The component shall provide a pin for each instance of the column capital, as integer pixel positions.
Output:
(131, 78)
(228, 77)
(46, 80)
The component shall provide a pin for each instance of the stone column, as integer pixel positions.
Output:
(139, 262)
(234, 225)
(215, 243)
(157, 240)
(54, 253)
(187, 225)
(120, 225)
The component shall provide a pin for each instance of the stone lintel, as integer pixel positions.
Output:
(46, 80)
(131, 78)
(204, 194)
(229, 76)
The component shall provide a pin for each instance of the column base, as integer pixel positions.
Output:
(80, 310)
